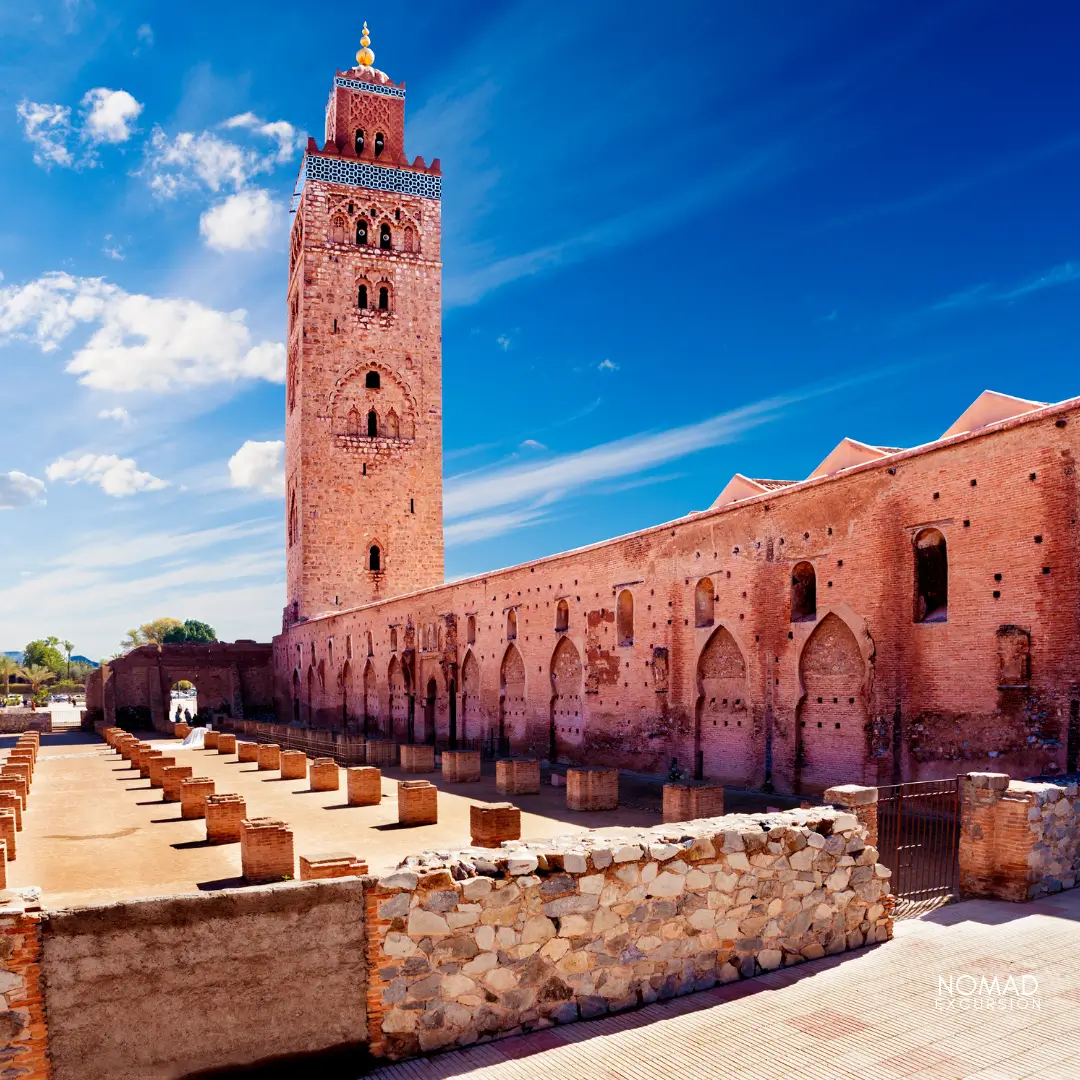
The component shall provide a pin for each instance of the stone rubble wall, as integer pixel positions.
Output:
(1018, 840)
(13, 721)
(468, 946)
(22, 1010)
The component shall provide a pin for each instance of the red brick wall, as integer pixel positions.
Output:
(23, 1047)
(926, 696)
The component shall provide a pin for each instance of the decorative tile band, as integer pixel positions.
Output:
(370, 88)
(378, 177)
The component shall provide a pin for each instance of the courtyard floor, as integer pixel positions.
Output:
(95, 831)
(874, 1014)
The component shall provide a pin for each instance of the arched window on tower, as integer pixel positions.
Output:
(358, 141)
(470, 630)
(361, 231)
(562, 617)
(392, 425)
(354, 422)
(374, 559)
(384, 298)
(384, 237)
(511, 625)
(410, 239)
(371, 380)
(380, 143)
(703, 603)
(624, 617)
(803, 593)
(931, 577)
(337, 230)
(393, 639)
(372, 424)
(361, 296)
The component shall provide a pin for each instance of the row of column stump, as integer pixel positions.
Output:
(16, 778)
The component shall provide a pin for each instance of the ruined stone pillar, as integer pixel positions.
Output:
(211, 740)
(182, 730)
(224, 813)
(247, 751)
(15, 783)
(323, 775)
(144, 762)
(193, 794)
(417, 757)
(363, 785)
(460, 766)
(269, 756)
(862, 802)
(266, 850)
(8, 830)
(9, 800)
(995, 841)
(417, 802)
(689, 802)
(158, 765)
(226, 743)
(592, 787)
(492, 824)
(19, 769)
(172, 776)
(331, 865)
(293, 764)
(518, 776)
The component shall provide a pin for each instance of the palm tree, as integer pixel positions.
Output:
(8, 667)
(38, 676)
(67, 648)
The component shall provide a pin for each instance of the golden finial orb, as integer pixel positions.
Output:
(365, 57)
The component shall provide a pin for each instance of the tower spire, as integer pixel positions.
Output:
(365, 57)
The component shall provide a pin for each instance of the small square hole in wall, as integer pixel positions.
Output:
(1038, 539)
(1046, 569)
(837, 727)
(1031, 476)
(851, 701)
(836, 701)
(967, 523)
(974, 483)
(937, 494)
(997, 595)
(820, 700)
(997, 577)
(738, 723)
(802, 723)
(819, 724)
(839, 562)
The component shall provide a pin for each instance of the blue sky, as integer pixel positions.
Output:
(679, 242)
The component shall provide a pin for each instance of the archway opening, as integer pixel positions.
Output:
(931, 577)
(429, 711)
(803, 593)
(184, 702)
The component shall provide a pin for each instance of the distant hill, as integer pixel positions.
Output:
(16, 654)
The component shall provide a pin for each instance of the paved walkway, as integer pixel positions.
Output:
(870, 1014)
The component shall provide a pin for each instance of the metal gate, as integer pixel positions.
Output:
(918, 839)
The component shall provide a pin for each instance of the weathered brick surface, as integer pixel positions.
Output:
(323, 775)
(9, 800)
(592, 788)
(294, 764)
(363, 785)
(269, 756)
(460, 766)
(226, 743)
(158, 765)
(193, 795)
(224, 813)
(8, 829)
(24, 1037)
(172, 777)
(417, 802)
(381, 752)
(18, 784)
(331, 865)
(517, 776)
(418, 758)
(491, 824)
(182, 730)
(211, 740)
(144, 761)
(266, 850)
(247, 751)
(19, 770)
(687, 802)
(862, 802)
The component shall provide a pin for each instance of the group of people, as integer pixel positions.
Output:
(186, 717)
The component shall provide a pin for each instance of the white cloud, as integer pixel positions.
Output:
(141, 342)
(115, 476)
(245, 221)
(109, 115)
(47, 128)
(121, 415)
(259, 466)
(145, 37)
(290, 140)
(488, 526)
(18, 489)
(503, 342)
(607, 365)
(532, 444)
(114, 252)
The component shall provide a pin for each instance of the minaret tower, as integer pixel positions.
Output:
(363, 427)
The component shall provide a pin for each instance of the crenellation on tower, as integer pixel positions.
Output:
(364, 370)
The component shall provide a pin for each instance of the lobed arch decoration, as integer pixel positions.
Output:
(354, 393)
(347, 692)
(339, 229)
(371, 698)
(511, 695)
(471, 713)
(296, 695)
(397, 691)
(831, 719)
(565, 725)
(723, 736)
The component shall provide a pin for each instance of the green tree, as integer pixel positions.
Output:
(67, 648)
(8, 667)
(38, 676)
(44, 653)
(150, 633)
(192, 631)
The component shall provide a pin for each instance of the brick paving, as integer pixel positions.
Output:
(872, 1013)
